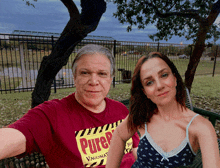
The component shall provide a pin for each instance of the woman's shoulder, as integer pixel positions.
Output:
(201, 125)
(200, 122)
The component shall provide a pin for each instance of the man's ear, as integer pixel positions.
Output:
(74, 78)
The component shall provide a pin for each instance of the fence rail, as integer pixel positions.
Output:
(21, 55)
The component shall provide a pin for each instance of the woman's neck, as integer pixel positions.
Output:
(170, 111)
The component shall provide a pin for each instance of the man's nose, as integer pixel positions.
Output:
(93, 79)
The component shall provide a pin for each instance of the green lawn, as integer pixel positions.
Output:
(205, 94)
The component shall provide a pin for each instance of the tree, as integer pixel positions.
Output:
(29, 3)
(78, 26)
(192, 19)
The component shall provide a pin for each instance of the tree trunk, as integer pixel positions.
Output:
(200, 45)
(76, 29)
(193, 63)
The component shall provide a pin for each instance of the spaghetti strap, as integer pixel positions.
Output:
(145, 128)
(187, 128)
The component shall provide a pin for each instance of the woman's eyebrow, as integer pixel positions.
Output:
(162, 70)
(147, 78)
(150, 77)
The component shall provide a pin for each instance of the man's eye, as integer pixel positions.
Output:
(84, 72)
(103, 74)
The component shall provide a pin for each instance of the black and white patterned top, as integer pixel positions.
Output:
(150, 155)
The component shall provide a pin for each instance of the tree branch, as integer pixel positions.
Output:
(170, 7)
(76, 29)
(216, 6)
(185, 13)
(214, 13)
(200, 44)
(72, 8)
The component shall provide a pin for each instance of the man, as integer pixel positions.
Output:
(76, 130)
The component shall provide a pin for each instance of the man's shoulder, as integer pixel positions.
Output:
(117, 107)
(115, 102)
(53, 105)
(66, 101)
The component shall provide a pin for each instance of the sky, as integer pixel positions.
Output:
(52, 16)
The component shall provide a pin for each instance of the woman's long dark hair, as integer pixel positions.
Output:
(141, 108)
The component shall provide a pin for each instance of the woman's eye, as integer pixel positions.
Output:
(164, 75)
(149, 83)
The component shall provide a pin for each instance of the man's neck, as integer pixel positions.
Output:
(93, 108)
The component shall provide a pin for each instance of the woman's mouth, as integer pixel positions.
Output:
(163, 94)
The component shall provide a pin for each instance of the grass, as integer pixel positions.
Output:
(204, 67)
(205, 94)
(14, 105)
(208, 86)
(10, 83)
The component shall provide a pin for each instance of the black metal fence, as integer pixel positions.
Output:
(21, 55)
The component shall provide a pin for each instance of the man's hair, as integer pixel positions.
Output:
(93, 49)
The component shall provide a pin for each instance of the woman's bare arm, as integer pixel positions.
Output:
(12, 143)
(117, 145)
(208, 144)
(134, 152)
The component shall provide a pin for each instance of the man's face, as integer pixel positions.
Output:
(93, 80)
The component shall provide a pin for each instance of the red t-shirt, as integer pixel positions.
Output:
(68, 135)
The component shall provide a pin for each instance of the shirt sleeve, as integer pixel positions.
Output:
(36, 127)
(136, 140)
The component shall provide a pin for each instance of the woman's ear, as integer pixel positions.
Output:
(175, 79)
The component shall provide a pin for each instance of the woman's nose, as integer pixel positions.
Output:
(159, 84)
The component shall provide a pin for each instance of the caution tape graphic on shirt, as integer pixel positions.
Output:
(93, 144)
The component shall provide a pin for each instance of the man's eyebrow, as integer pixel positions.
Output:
(103, 70)
(83, 69)
(99, 70)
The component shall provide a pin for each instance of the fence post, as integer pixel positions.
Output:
(54, 81)
(114, 53)
(23, 70)
(213, 73)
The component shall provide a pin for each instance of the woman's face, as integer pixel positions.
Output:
(158, 81)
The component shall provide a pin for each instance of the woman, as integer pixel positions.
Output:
(171, 134)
